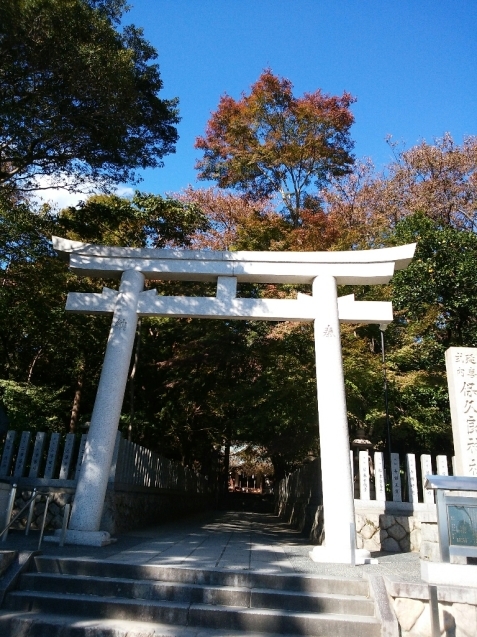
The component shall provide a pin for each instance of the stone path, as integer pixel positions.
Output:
(225, 540)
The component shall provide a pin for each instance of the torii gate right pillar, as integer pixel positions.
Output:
(338, 498)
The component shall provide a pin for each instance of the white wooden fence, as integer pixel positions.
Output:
(55, 460)
(404, 480)
(136, 465)
(33, 460)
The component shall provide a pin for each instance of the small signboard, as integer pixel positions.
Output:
(456, 514)
(462, 521)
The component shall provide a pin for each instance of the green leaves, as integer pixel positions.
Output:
(145, 220)
(438, 288)
(78, 98)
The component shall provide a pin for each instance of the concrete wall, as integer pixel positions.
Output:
(457, 609)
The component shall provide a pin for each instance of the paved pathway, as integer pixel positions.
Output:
(224, 540)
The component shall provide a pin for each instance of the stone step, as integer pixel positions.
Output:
(284, 621)
(136, 589)
(199, 615)
(103, 607)
(312, 602)
(198, 594)
(53, 625)
(204, 577)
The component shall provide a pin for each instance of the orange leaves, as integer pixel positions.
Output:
(272, 144)
(235, 222)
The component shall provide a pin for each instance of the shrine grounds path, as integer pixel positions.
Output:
(230, 540)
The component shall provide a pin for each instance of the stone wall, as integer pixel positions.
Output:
(380, 526)
(392, 526)
(387, 532)
(130, 508)
(54, 518)
(457, 609)
(299, 500)
(124, 510)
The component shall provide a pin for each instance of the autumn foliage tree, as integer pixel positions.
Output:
(439, 180)
(235, 223)
(272, 144)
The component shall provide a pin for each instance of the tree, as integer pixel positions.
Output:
(143, 221)
(271, 143)
(439, 180)
(235, 223)
(78, 98)
(276, 403)
(437, 289)
(50, 358)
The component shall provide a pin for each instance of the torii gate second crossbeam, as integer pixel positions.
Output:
(324, 270)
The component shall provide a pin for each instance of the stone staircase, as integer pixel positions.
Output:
(62, 597)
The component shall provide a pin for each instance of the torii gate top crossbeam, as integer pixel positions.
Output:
(351, 267)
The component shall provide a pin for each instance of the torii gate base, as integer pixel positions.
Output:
(324, 270)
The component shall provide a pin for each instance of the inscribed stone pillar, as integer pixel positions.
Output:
(93, 479)
(338, 501)
(461, 366)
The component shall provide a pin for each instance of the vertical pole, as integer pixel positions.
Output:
(11, 504)
(94, 473)
(30, 512)
(66, 515)
(385, 389)
(338, 499)
(43, 522)
(434, 610)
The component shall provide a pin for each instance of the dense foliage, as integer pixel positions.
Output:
(78, 97)
(197, 386)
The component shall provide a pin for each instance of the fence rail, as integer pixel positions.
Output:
(55, 460)
(374, 479)
(25, 458)
(136, 465)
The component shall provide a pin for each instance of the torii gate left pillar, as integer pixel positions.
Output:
(93, 480)
(324, 270)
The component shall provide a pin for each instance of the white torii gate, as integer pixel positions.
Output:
(324, 270)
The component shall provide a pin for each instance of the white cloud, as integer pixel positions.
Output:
(60, 198)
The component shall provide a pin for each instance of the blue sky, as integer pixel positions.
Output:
(411, 64)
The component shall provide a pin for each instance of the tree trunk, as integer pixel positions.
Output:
(77, 399)
(132, 377)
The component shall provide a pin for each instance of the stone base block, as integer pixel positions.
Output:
(330, 555)
(82, 538)
(447, 574)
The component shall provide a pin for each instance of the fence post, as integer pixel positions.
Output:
(396, 477)
(37, 454)
(426, 469)
(442, 468)
(7, 454)
(364, 492)
(52, 454)
(67, 456)
(379, 481)
(412, 477)
(22, 455)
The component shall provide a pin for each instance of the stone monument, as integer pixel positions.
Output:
(461, 365)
